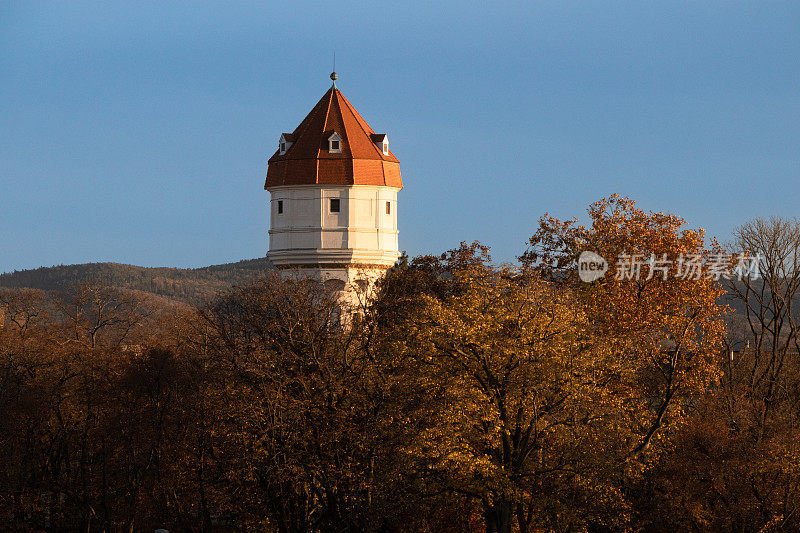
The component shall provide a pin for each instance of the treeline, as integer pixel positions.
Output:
(459, 396)
(192, 286)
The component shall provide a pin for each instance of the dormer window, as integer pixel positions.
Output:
(381, 141)
(335, 143)
(285, 142)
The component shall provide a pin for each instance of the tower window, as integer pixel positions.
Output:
(280, 207)
(388, 208)
(334, 143)
(381, 141)
(285, 142)
(334, 205)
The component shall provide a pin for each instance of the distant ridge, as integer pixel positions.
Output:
(191, 285)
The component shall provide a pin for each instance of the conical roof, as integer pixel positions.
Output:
(309, 162)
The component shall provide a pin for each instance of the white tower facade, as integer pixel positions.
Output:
(333, 187)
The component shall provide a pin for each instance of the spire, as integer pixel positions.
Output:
(334, 76)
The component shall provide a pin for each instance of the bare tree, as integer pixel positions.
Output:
(102, 315)
(769, 304)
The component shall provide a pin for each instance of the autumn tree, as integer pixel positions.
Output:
(24, 401)
(655, 302)
(306, 432)
(509, 378)
(87, 421)
(737, 464)
(559, 393)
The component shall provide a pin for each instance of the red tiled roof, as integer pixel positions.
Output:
(308, 162)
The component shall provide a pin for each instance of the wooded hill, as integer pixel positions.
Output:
(191, 285)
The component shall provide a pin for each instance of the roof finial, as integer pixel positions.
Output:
(334, 76)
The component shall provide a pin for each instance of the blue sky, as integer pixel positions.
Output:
(139, 133)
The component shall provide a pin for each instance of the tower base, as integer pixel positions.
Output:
(353, 284)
